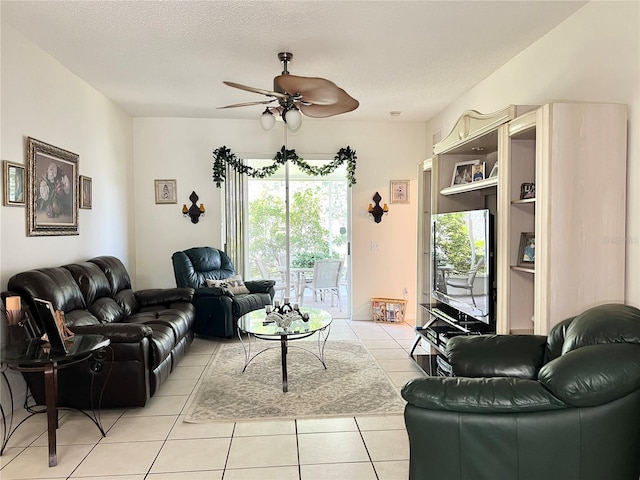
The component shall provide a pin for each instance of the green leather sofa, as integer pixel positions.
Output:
(526, 407)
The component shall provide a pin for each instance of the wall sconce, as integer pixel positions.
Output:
(194, 211)
(377, 211)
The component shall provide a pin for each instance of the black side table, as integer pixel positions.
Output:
(32, 356)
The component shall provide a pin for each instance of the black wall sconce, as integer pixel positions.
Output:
(194, 211)
(377, 211)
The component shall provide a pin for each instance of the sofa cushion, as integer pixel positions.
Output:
(127, 300)
(54, 284)
(96, 291)
(115, 272)
(611, 323)
(175, 319)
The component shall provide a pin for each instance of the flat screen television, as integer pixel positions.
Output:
(463, 263)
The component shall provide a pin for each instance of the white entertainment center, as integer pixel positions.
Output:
(575, 156)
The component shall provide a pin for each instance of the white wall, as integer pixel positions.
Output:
(42, 99)
(594, 56)
(183, 149)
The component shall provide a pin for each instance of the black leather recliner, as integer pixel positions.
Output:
(562, 407)
(217, 309)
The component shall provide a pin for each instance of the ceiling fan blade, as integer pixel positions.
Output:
(318, 91)
(344, 104)
(246, 104)
(268, 93)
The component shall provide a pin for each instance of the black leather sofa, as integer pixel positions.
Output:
(562, 407)
(217, 309)
(150, 330)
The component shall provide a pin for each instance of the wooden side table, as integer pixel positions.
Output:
(31, 356)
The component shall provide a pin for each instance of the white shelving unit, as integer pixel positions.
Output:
(575, 153)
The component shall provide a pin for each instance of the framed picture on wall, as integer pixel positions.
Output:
(399, 191)
(52, 194)
(86, 195)
(166, 191)
(13, 184)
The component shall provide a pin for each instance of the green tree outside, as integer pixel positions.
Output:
(317, 212)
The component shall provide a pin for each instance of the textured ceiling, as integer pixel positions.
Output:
(169, 58)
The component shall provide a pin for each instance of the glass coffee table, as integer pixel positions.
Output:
(254, 326)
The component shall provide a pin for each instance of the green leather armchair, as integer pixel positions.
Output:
(527, 407)
(217, 309)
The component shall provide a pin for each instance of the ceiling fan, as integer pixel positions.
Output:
(313, 96)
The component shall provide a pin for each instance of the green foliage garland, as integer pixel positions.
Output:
(223, 155)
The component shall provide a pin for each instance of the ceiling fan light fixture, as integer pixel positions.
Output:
(293, 119)
(267, 120)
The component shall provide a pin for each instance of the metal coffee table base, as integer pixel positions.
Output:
(284, 348)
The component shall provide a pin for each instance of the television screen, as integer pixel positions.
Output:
(463, 269)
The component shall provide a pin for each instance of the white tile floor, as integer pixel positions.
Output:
(154, 443)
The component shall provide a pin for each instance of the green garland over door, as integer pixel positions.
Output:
(223, 155)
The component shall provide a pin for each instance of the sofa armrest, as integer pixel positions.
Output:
(593, 375)
(259, 286)
(158, 296)
(212, 292)
(117, 332)
(480, 395)
(519, 356)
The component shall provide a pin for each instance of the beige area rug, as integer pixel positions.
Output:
(353, 384)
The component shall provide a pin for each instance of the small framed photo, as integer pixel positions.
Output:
(166, 191)
(13, 184)
(527, 250)
(494, 171)
(527, 190)
(86, 194)
(51, 326)
(477, 172)
(463, 172)
(399, 191)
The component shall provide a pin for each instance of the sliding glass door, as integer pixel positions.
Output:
(294, 220)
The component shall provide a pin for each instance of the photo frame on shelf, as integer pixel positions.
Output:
(14, 177)
(55, 332)
(527, 191)
(494, 171)
(462, 172)
(52, 194)
(166, 191)
(399, 191)
(527, 250)
(477, 172)
(86, 196)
